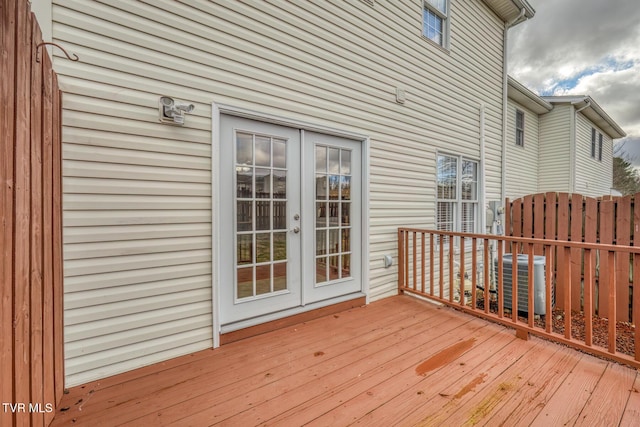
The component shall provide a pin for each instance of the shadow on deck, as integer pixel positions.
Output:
(398, 361)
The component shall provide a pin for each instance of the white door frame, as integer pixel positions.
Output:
(216, 111)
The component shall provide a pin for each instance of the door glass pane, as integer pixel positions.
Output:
(346, 240)
(321, 187)
(345, 188)
(346, 266)
(279, 184)
(263, 279)
(244, 182)
(333, 240)
(321, 214)
(279, 246)
(334, 211)
(321, 270)
(244, 216)
(263, 151)
(334, 187)
(345, 162)
(334, 160)
(279, 276)
(321, 242)
(345, 214)
(279, 215)
(321, 159)
(263, 183)
(244, 252)
(263, 215)
(245, 282)
(244, 149)
(334, 267)
(263, 247)
(279, 153)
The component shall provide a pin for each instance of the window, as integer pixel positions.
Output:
(600, 147)
(457, 194)
(519, 128)
(435, 21)
(593, 144)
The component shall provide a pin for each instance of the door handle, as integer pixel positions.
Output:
(296, 229)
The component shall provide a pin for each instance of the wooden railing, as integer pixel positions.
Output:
(470, 272)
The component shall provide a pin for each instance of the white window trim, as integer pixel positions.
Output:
(457, 220)
(446, 18)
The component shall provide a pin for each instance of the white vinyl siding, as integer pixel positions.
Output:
(594, 177)
(137, 195)
(522, 161)
(555, 149)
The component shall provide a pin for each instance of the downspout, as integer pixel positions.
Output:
(572, 147)
(505, 36)
(483, 193)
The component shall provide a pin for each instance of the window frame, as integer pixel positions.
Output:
(445, 17)
(593, 143)
(600, 146)
(458, 201)
(520, 129)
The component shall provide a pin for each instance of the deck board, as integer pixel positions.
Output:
(398, 361)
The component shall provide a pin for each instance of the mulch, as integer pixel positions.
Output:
(625, 331)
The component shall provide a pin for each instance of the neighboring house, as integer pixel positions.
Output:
(558, 143)
(318, 129)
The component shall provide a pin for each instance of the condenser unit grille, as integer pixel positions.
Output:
(539, 299)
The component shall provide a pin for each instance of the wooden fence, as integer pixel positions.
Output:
(572, 217)
(31, 343)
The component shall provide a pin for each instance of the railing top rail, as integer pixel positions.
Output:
(547, 242)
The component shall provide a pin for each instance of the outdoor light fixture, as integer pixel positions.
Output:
(172, 111)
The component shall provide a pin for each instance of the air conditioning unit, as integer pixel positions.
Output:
(539, 297)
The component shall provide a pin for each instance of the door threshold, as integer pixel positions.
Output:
(295, 319)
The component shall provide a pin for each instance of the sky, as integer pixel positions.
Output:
(584, 47)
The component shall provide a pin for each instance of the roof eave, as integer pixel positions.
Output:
(509, 10)
(594, 112)
(525, 97)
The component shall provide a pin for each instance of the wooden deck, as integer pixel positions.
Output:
(399, 361)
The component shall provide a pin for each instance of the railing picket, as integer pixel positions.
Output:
(530, 294)
(461, 271)
(401, 270)
(406, 259)
(485, 270)
(611, 256)
(441, 261)
(548, 277)
(474, 271)
(422, 262)
(514, 282)
(588, 298)
(415, 261)
(567, 292)
(431, 266)
(451, 268)
(635, 308)
(500, 272)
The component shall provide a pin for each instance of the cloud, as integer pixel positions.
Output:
(586, 47)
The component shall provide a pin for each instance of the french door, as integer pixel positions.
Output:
(290, 208)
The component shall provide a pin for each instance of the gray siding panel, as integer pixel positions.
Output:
(593, 177)
(137, 194)
(522, 167)
(555, 149)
